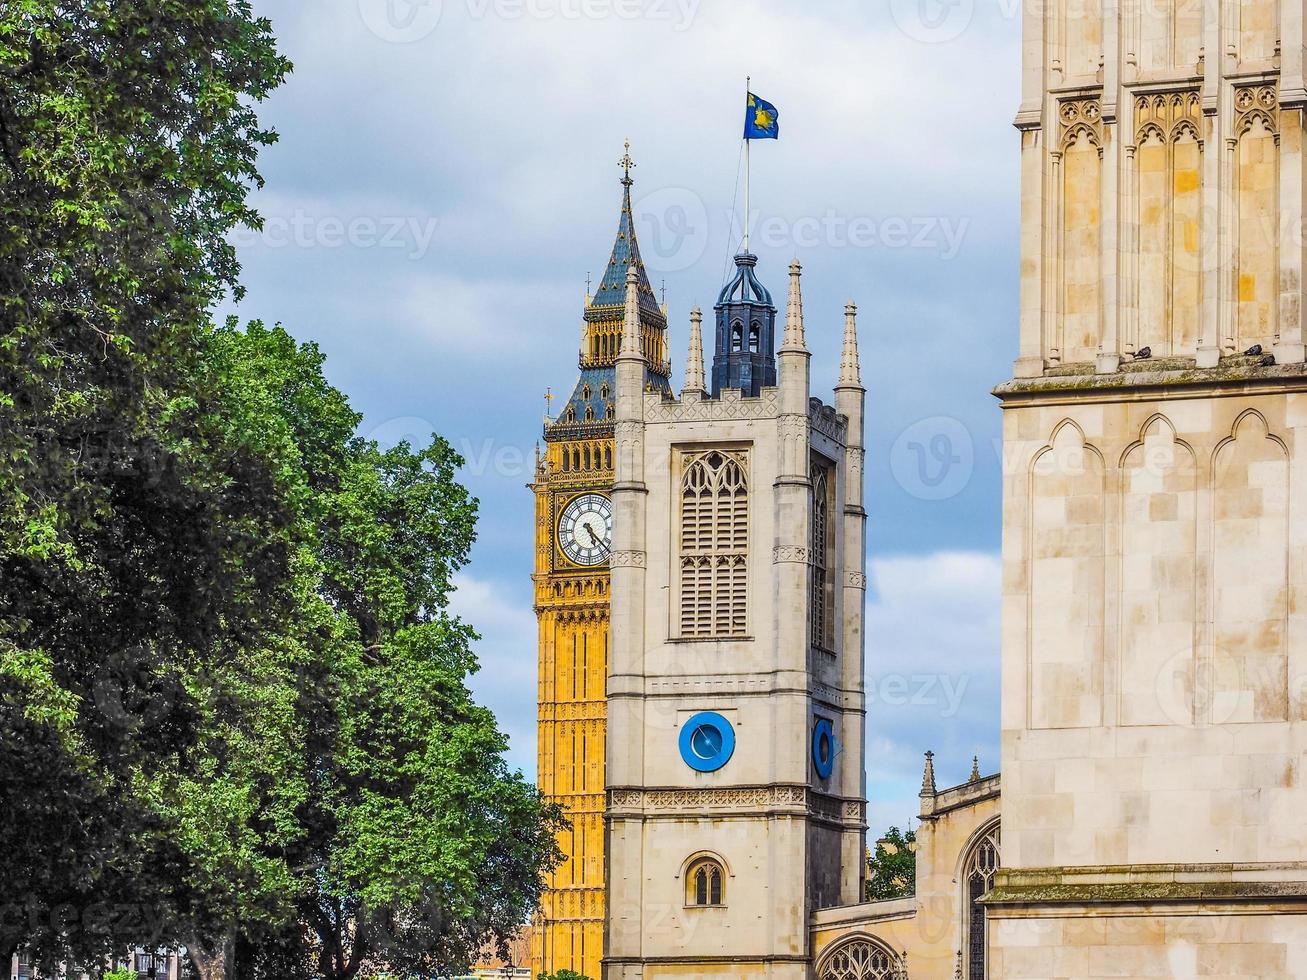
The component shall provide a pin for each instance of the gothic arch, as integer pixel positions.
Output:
(861, 957)
(981, 858)
(1066, 566)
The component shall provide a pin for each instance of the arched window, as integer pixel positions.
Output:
(862, 958)
(737, 336)
(567, 461)
(705, 883)
(823, 539)
(714, 544)
(608, 458)
(755, 335)
(587, 448)
(977, 878)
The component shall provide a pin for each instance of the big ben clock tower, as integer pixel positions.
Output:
(574, 526)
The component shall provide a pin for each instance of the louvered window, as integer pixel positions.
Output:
(714, 544)
(823, 551)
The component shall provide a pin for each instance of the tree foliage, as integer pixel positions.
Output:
(233, 703)
(131, 548)
(892, 866)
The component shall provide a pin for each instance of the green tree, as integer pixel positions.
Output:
(892, 866)
(132, 547)
(562, 975)
(418, 844)
(233, 704)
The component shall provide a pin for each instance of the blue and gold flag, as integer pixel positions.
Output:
(761, 120)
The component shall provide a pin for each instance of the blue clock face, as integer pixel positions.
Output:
(823, 747)
(707, 742)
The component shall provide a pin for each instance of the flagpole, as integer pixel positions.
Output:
(747, 147)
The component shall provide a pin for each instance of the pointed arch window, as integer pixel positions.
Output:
(823, 556)
(755, 336)
(862, 958)
(977, 878)
(705, 884)
(737, 336)
(714, 544)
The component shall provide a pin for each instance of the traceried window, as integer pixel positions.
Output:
(714, 544)
(862, 958)
(704, 883)
(977, 879)
(823, 556)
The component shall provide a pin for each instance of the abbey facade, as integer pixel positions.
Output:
(701, 573)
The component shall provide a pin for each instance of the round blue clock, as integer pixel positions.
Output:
(707, 742)
(823, 747)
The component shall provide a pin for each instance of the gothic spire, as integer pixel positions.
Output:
(694, 361)
(850, 366)
(928, 777)
(626, 253)
(794, 338)
(975, 770)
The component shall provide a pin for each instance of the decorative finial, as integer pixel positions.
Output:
(928, 777)
(626, 163)
(975, 769)
(794, 338)
(850, 366)
(664, 302)
(549, 402)
(587, 289)
(631, 346)
(694, 362)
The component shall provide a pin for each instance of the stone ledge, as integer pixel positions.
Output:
(1237, 372)
(867, 913)
(1135, 884)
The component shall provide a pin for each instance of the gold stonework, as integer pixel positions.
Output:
(571, 605)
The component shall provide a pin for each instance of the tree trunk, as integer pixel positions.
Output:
(213, 961)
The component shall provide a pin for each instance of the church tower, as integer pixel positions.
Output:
(573, 485)
(736, 797)
(1155, 561)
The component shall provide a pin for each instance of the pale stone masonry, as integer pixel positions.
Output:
(787, 839)
(1153, 653)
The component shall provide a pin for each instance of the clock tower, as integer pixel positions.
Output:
(573, 486)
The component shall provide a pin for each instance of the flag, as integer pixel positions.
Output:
(761, 120)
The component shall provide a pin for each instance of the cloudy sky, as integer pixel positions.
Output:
(447, 176)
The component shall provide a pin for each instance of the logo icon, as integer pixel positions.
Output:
(400, 21)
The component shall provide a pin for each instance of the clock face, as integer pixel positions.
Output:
(707, 742)
(585, 531)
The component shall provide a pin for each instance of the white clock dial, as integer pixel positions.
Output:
(585, 531)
